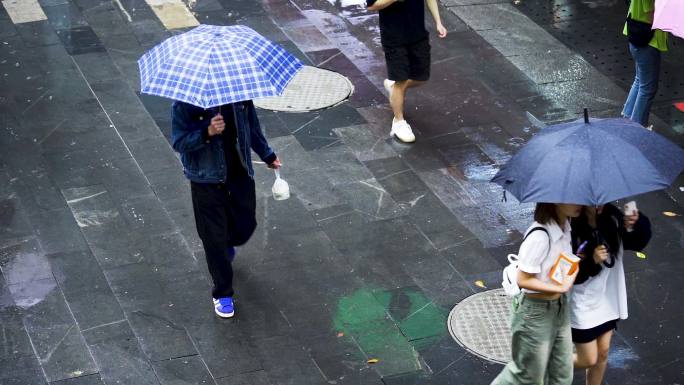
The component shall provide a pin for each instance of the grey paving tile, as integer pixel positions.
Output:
(64, 16)
(70, 359)
(289, 251)
(552, 66)
(470, 257)
(93, 379)
(57, 231)
(437, 279)
(258, 318)
(312, 188)
(191, 299)
(286, 361)
(147, 28)
(182, 371)
(85, 288)
(369, 198)
(104, 18)
(117, 97)
(592, 92)
(258, 377)
(340, 360)
(80, 40)
(168, 254)
(364, 144)
(96, 66)
(304, 288)
(340, 165)
(21, 371)
(312, 321)
(16, 342)
(118, 355)
(436, 222)
(37, 33)
(146, 214)
(397, 179)
(137, 287)
(57, 340)
(287, 216)
(154, 153)
(14, 223)
(378, 238)
(159, 337)
(224, 354)
(185, 222)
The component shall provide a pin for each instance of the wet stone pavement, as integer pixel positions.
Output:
(103, 279)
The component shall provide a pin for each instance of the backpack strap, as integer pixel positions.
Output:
(539, 228)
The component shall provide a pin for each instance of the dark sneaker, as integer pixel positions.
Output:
(223, 307)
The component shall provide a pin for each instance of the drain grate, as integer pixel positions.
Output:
(311, 89)
(481, 324)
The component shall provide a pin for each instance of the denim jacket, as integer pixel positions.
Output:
(202, 156)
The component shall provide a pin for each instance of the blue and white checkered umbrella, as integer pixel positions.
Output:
(212, 65)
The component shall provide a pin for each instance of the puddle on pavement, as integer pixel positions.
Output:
(27, 273)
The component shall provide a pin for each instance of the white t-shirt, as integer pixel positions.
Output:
(601, 298)
(540, 251)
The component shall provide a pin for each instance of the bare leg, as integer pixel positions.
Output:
(398, 94)
(595, 373)
(586, 355)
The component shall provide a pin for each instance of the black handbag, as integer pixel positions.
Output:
(638, 32)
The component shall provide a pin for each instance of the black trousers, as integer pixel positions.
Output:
(225, 217)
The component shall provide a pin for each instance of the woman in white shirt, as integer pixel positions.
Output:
(599, 298)
(540, 321)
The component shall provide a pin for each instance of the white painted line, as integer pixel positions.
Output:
(173, 13)
(24, 11)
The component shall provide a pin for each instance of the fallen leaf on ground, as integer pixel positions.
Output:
(373, 361)
(641, 255)
(670, 214)
(480, 283)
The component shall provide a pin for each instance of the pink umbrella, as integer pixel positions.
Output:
(669, 16)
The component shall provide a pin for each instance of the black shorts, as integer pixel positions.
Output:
(583, 336)
(410, 61)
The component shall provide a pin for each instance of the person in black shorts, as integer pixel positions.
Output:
(407, 52)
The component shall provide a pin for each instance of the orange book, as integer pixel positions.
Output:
(565, 265)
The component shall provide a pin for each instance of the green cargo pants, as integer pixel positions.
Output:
(541, 344)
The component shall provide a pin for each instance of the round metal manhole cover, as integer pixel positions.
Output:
(311, 89)
(481, 324)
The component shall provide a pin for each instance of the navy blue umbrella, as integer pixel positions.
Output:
(591, 162)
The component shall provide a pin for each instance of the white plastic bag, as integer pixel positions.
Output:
(280, 189)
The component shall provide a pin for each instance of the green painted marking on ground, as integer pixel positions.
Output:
(391, 325)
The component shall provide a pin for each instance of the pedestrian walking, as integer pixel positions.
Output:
(215, 146)
(405, 42)
(213, 73)
(599, 297)
(540, 323)
(645, 46)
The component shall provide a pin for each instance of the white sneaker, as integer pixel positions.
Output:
(402, 131)
(388, 86)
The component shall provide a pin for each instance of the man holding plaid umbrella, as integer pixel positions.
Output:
(213, 73)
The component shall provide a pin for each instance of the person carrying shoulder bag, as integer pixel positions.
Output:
(645, 46)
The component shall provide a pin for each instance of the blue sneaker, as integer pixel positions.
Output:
(231, 254)
(223, 307)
